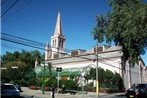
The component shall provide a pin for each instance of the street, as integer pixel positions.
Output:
(28, 93)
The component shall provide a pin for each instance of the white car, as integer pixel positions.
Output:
(9, 90)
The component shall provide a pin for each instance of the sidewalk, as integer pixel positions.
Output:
(38, 94)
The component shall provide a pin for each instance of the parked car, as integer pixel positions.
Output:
(139, 91)
(19, 88)
(9, 90)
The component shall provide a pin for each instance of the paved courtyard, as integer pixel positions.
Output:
(28, 93)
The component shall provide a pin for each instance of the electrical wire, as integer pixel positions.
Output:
(23, 39)
(38, 45)
(9, 8)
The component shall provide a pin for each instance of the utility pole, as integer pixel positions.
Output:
(97, 81)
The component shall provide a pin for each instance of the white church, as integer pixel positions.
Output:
(108, 58)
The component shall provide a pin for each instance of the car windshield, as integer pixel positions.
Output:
(141, 88)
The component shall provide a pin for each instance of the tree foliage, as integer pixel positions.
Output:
(24, 61)
(126, 25)
(105, 77)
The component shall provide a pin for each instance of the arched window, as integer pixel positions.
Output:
(55, 43)
(62, 43)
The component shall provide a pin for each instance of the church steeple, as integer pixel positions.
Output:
(58, 28)
(58, 39)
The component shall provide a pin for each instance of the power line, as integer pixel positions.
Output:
(34, 44)
(10, 7)
(22, 4)
(38, 45)
(31, 41)
(8, 36)
(25, 42)
(12, 47)
(17, 42)
(5, 4)
(18, 7)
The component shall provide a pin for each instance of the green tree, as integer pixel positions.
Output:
(126, 25)
(37, 55)
(25, 62)
(8, 57)
(27, 58)
(16, 55)
(69, 84)
(101, 73)
(109, 75)
(17, 73)
(92, 74)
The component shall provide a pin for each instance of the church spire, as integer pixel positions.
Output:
(58, 39)
(58, 28)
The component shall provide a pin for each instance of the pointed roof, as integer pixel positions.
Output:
(58, 28)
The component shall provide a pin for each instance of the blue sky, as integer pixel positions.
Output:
(36, 19)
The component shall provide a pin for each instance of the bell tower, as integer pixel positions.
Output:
(56, 48)
(58, 39)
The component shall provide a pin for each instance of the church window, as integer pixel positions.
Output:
(62, 43)
(59, 42)
(55, 43)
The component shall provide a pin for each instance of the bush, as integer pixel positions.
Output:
(50, 82)
(69, 84)
(23, 82)
(108, 90)
(35, 81)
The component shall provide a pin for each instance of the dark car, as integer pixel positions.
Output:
(9, 90)
(19, 88)
(139, 91)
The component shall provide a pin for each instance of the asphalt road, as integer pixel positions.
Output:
(28, 93)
